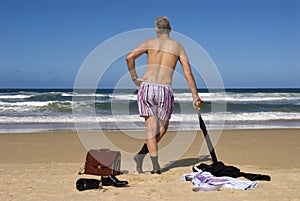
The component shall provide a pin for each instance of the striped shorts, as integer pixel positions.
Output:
(155, 100)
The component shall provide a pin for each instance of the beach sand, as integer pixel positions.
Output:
(44, 166)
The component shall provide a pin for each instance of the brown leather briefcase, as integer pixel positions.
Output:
(102, 162)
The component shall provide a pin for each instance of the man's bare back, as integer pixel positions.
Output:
(163, 54)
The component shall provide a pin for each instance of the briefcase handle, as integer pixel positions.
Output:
(104, 149)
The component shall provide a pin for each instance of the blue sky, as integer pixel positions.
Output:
(254, 43)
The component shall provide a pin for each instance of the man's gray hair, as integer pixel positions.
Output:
(162, 25)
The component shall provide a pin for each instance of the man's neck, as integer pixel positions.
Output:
(163, 36)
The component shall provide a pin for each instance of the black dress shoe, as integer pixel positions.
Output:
(111, 180)
(87, 184)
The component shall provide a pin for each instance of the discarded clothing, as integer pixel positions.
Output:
(219, 169)
(205, 181)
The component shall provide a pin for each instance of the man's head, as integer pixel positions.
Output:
(162, 25)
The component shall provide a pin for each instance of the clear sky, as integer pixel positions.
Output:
(254, 43)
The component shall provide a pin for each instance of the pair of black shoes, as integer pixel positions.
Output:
(112, 180)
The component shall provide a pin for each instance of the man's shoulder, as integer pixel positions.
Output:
(157, 40)
(150, 40)
(155, 43)
(178, 45)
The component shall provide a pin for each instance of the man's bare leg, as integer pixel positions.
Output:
(151, 132)
(150, 146)
(139, 157)
(163, 128)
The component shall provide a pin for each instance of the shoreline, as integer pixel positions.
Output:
(73, 129)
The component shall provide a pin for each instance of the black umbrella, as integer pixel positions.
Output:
(207, 139)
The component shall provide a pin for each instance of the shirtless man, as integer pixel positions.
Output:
(155, 96)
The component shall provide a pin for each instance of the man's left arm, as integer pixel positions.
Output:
(130, 59)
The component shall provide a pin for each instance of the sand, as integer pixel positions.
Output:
(44, 166)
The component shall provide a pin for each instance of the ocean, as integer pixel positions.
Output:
(30, 110)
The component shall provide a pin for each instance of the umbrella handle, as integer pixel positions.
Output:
(198, 111)
(198, 102)
(207, 139)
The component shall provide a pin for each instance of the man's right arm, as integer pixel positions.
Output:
(190, 78)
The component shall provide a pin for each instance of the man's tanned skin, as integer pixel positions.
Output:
(163, 54)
